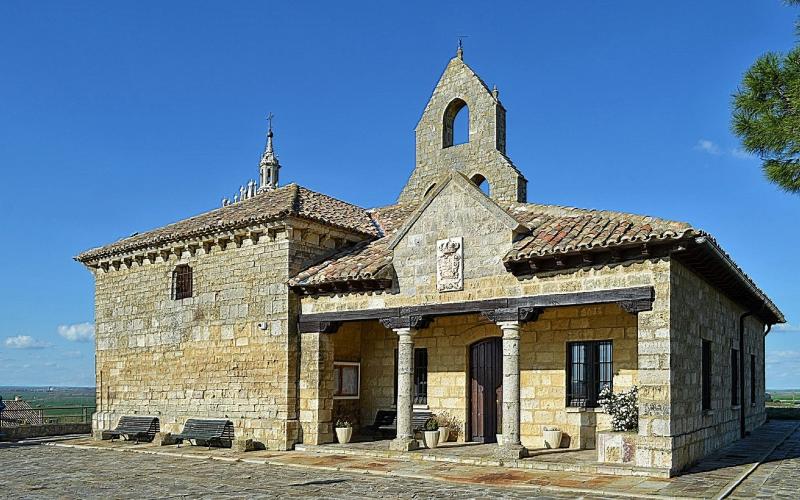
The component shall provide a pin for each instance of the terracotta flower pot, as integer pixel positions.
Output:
(343, 434)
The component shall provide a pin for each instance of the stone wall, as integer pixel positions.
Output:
(206, 356)
(29, 431)
(701, 312)
(484, 154)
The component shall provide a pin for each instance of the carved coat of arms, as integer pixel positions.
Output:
(450, 264)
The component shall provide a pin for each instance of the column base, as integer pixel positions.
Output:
(404, 444)
(511, 452)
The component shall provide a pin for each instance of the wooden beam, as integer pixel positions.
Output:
(636, 299)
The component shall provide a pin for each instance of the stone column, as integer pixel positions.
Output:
(405, 390)
(512, 446)
(316, 388)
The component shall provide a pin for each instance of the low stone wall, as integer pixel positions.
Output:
(29, 431)
(783, 413)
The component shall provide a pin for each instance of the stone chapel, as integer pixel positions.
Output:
(285, 309)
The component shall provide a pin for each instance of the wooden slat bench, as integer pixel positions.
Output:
(136, 428)
(418, 419)
(207, 430)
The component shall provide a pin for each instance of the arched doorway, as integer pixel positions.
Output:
(486, 389)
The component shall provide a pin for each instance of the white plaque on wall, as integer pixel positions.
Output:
(450, 264)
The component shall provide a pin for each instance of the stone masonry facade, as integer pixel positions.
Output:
(287, 285)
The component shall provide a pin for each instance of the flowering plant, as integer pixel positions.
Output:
(623, 408)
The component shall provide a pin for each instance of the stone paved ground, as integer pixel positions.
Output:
(47, 472)
(81, 468)
(778, 476)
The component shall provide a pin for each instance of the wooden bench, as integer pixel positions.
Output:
(210, 431)
(137, 428)
(418, 419)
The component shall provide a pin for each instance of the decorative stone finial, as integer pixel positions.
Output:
(496, 93)
(460, 51)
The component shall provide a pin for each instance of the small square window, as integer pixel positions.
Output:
(346, 380)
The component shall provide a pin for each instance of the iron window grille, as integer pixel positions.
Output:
(589, 369)
(182, 282)
(420, 376)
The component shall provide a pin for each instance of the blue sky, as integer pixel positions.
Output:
(118, 117)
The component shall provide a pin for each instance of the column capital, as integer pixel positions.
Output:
(510, 329)
(403, 332)
(511, 314)
(414, 322)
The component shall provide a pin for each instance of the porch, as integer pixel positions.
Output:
(492, 369)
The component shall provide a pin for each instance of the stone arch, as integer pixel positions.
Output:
(482, 182)
(454, 109)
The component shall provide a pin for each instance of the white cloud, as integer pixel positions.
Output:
(79, 332)
(786, 327)
(707, 146)
(24, 342)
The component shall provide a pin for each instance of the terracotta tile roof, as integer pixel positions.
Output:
(289, 200)
(364, 261)
(563, 230)
(554, 231)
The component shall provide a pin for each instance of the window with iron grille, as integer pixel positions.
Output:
(706, 374)
(420, 376)
(182, 282)
(589, 369)
(734, 377)
(753, 379)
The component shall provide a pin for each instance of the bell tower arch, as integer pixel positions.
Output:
(458, 91)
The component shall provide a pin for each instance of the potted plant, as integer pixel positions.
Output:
(448, 426)
(430, 433)
(552, 437)
(344, 430)
(623, 408)
(619, 444)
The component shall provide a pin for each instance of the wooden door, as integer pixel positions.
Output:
(486, 389)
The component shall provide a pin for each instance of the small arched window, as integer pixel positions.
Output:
(182, 282)
(455, 128)
(480, 181)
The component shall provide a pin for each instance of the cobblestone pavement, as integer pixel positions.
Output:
(82, 468)
(778, 476)
(38, 471)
